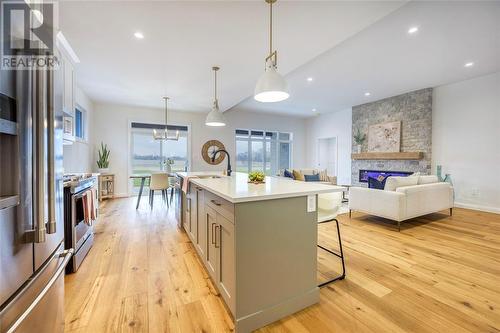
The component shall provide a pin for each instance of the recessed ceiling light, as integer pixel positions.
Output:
(367, 94)
(469, 64)
(138, 35)
(313, 110)
(412, 30)
(309, 79)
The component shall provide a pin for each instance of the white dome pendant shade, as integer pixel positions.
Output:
(215, 118)
(271, 86)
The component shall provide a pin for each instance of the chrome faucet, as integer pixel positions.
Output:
(228, 159)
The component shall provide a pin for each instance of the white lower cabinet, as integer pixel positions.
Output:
(211, 258)
(187, 213)
(212, 233)
(224, 244)
(200, 238)
(193, 215)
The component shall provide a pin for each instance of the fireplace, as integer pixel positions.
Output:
(364, 174)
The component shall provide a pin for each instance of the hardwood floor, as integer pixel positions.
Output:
(439, 274)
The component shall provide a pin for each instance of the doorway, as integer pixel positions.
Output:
(327, 155)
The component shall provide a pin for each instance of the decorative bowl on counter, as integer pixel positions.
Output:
(256, 177)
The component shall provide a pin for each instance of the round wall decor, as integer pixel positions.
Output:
(209, 148)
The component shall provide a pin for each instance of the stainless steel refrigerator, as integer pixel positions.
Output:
(32, 255)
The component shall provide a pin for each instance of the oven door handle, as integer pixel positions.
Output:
(80, 195)
(67, 254)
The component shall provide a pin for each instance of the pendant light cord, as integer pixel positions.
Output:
(215, 69)
(166, 114)
(273, 55)
(270, 28)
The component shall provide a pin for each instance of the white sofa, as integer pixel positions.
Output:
(400, 201)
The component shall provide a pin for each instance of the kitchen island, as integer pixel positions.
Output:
(257, 242)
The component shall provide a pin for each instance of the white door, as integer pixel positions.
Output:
(327, 155)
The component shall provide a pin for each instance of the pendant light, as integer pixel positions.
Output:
(215, 117)
(271, 86)
(163, 135)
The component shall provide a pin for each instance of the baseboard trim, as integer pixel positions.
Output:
(259, 319)
(478, 207)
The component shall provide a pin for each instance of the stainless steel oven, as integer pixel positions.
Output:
(79, 234)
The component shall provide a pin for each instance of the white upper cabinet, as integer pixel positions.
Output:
(67, 60)
(69, 86)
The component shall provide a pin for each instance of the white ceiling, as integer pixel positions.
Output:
(348, 48)
(386, 61)
(184, 39)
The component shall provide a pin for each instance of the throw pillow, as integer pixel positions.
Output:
(376, 183)
(308, 171)
(312, 178)
(323, 176)
(288, 174)
(297, 175)
(393, 182)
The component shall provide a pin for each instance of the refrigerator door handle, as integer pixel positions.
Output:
(39, 113)
(39, 126)
(49, 103)
(67, 256)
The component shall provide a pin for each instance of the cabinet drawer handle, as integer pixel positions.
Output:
(215, 203)
(217, 228)
(213, 241)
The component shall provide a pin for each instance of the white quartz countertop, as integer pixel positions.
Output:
(237, 189)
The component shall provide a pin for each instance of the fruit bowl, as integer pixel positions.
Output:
(256, 177)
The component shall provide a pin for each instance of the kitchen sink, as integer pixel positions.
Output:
(208, 176)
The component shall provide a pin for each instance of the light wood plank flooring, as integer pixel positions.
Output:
(439, 274)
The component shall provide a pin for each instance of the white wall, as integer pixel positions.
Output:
(466, 139)
(111, 126)
(77, 157)
(337, 124)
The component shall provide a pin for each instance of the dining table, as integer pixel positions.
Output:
(143, 177)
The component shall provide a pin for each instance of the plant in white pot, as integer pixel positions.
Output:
(168, 165)
(359, 139)
(103, 158)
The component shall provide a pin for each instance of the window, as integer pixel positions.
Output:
(149, 155)
(80, 124)
(262, 150)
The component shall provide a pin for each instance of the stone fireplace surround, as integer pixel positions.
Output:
(414, 110)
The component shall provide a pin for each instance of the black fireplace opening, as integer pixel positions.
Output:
(365, 174)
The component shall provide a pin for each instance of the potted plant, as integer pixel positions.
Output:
(103, 159)
(359, 139)
(168, 164)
